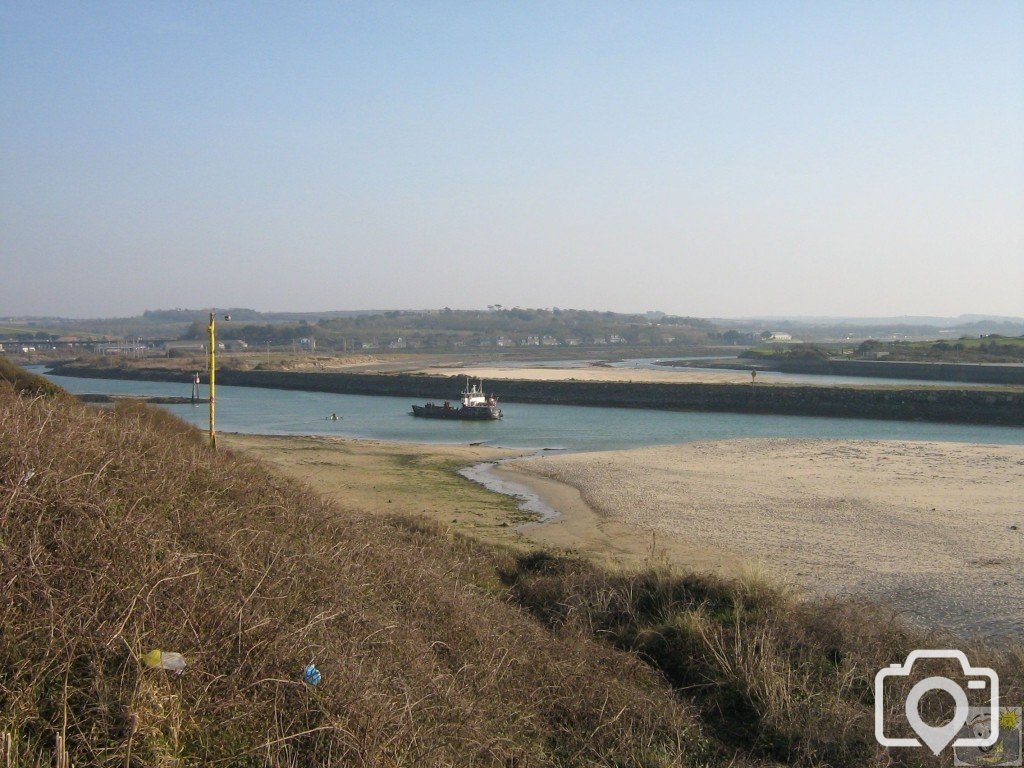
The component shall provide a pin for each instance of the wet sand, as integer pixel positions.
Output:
(926, 528)
(381, 477)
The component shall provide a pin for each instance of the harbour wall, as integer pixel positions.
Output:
(974, 373)
(966, 406)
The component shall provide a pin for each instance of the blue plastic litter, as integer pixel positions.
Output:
(311, 675)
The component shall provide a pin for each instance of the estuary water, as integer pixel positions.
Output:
(565, 427)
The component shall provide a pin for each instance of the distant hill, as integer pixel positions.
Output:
(885, 328)
(450, 328)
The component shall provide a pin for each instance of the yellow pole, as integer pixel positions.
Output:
(213, 380)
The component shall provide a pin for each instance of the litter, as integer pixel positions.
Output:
(172, 662)
(311, 675)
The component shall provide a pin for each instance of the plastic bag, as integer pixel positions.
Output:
(173, 662)
(311, 675)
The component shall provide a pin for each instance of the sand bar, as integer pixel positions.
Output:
(935, 530)
(594, 373)
(927, 528)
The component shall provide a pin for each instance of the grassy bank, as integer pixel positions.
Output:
(121, 532)
(24, 383)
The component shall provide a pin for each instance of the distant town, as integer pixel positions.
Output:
(182, 331)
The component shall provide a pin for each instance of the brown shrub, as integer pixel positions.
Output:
(774, 677)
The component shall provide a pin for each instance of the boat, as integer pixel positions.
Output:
(474, 406)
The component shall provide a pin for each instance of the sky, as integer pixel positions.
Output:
(699, 158)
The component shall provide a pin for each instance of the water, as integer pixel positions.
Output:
(574, 428)
(529, 500)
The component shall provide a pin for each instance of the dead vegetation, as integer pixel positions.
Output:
(121, 532)
(773, 677)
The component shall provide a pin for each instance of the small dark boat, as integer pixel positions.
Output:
(475, 406)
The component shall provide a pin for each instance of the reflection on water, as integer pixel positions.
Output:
(287, 412)
(529, 501)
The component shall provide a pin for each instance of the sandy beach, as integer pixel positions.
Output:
(935, 530)
(592, 373)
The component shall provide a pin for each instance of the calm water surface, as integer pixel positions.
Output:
(287, 412)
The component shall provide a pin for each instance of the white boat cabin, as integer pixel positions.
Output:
(473, 395)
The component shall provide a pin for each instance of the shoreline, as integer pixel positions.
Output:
(932, 530)
(373, 476)
(581, 528)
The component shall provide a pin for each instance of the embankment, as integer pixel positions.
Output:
(968, 406)
(121, 532)
(151, 399)
(968, 373)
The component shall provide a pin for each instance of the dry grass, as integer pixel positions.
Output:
(26, 383)
(774, 678)
(121, 532)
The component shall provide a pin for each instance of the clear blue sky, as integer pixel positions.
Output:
(713, 158)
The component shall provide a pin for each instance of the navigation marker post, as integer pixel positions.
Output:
(213, 375)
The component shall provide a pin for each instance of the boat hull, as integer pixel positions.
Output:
(465, 413)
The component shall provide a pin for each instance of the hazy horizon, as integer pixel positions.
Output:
(853, 320)
(711, 160)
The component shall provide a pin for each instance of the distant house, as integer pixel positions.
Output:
(122, 348)
(616, 339)
(549, 341)
(505, 341)
(777, 336)
(398, 343)
(531, 341)
(572, 341)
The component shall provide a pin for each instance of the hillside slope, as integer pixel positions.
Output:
(120, 532)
